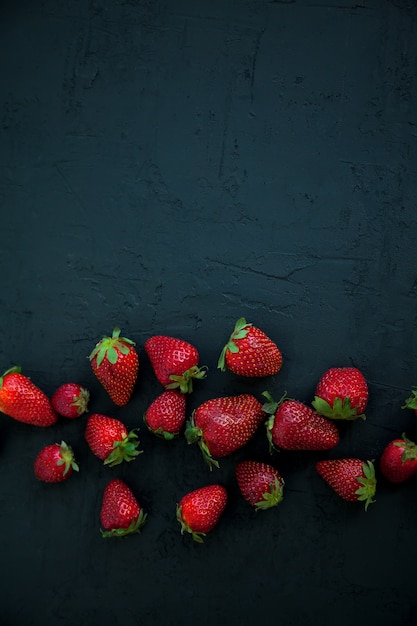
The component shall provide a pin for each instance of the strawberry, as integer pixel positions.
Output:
(222, 425)
(174, 362)
(109, 439)
(55, 463)
(293, 425)
(120, 512)
(115, 363)
(166, 415)
(260, 484)
(351, 478)
(199, 511)
(411, 402)
(398, 461)
(70, 400)
(21, 399)
(341, 393)
(250, 352)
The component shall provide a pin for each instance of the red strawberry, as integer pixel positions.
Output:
(55, 463)
(341, 393)
(109, 439)
(21, 399)
(120, 512)
(174, 361)
(70, 400)
(115, 363)
(351, 478)
(166, 415)
(260, 484)
(293, 425)
(398, 461)
(199, 511)
(222, 425)
(411, 402)
(250, 352)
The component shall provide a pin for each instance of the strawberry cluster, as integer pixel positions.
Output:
(219, 426)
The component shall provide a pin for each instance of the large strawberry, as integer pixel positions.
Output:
(199, 511)
(70, 400)
(351, 478)
(109, 439)
(411, 402)
(260, 484)
(121, 513)
(341, 393)
(222, 425)
(166, 414)
(115, 363)
(398, 461)
(293, 425)
(174, 362)
(55, 463)
(21, 399)
(250, 352)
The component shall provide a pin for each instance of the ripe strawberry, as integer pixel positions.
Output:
(21, 399)
(341, 393)
(222, 425)
(121, 513)
(260, 484)
(109, 439)
(175, 362)
(293, 425)
(55, 463)
(250, 352)
(70, 400)
(199, 511)
(411, 402)
(351, 478)
(166, 415)
(115, 363)
(398, 461)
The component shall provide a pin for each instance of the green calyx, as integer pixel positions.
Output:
(341, 409)
(184, 383)
(409, 449)
(134, 527)
(272, 497)
(124, 450)
(198, 537)
(81, 401)
(109, 348)
(270, 407)
(193, 434)
(367, 483)
(16, 369)
(411, 402)
(67, 458)
(240, 331)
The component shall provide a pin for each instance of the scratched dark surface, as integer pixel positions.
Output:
(169, 167)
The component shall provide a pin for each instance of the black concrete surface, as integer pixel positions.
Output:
(169, 167)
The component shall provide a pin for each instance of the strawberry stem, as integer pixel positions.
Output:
(134, 527)
(198, 537)
(124, 450)
(67, 458)
(239, 332)
(411, 402)
(367, 483)
(185, 382)
(272, 497)
(193, 434)
(341, 409)
(108, 347)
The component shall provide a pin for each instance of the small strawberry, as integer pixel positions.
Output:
(398, 461)
(120, 512)
(293, 425)
(70, 400)
(199, 511)
(174, 362)
(351, 478)
(341, 393)
(250, 352)
(21, 399)
(222, 425)
(260, 484)
(55, 463)
(109, 439)
(115, 363)
(166, 415)
(411, 402)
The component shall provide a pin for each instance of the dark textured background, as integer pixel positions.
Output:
(169, 167)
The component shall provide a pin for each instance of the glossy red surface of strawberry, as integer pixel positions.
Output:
(166, 414)
(55, 463)
(70, 400)
(341, 393)
(351, 478)
(109, 439)
(121, 513)
(222, 425)
(22, 400)
(174, 362)
(250, 352)
(260, 484)
(199, 511)
(398, 461)
(115, 363)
